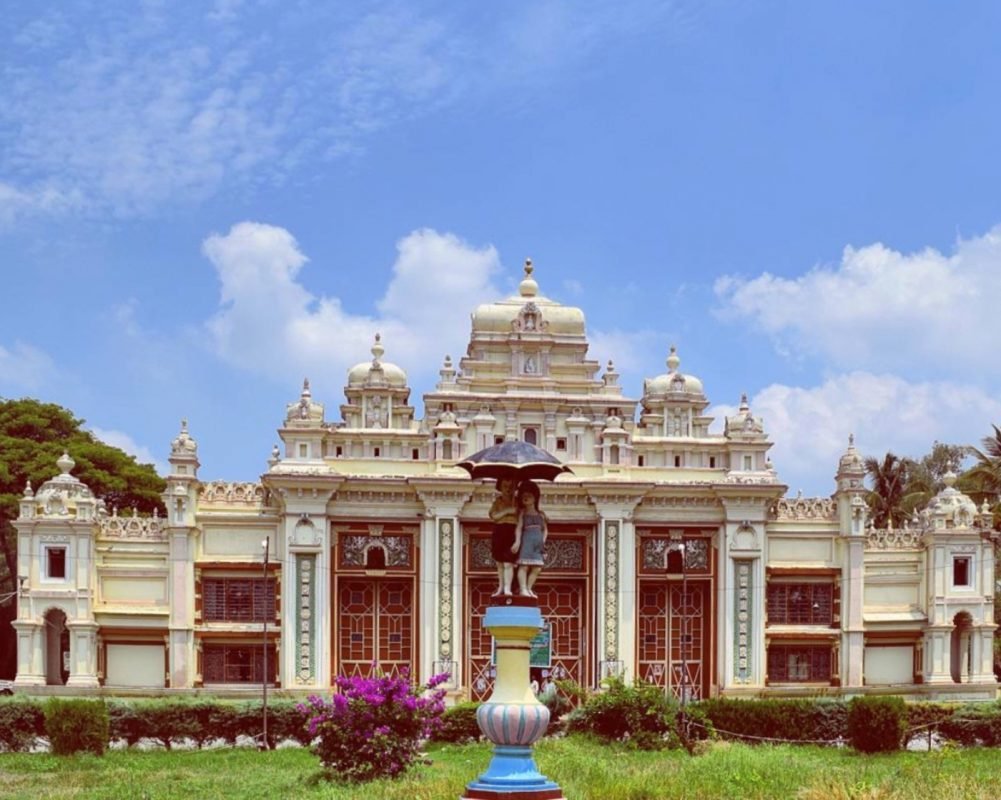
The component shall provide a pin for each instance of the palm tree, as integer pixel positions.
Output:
(988, 466)
(889, 489)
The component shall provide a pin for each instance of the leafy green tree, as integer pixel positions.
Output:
(32, 437)
(926, 476)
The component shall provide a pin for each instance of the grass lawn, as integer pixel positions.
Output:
(585, 770)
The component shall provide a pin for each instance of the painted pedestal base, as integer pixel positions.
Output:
(513, 718)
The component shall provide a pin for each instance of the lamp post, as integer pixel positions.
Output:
(679, 547)
(266, 544)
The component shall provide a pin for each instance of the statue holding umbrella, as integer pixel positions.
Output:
(514, 465)
(513, 718)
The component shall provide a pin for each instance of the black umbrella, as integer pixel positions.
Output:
(517, 460)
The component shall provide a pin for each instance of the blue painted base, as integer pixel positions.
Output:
(512, 769)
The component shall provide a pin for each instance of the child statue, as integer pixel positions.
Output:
(529, 537)
(504, 513)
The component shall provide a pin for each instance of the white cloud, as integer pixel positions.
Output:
(270, 323)
(125, 442)
(810, 426)
(881, 309)
(24, 368)
(125, 110)
(630, 351)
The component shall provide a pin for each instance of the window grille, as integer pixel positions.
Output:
(238, 599)
(799, 663)
(236, 663)
(800, 603)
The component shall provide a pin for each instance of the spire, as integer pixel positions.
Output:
(673, 361)
(528, 287)
(377, 350)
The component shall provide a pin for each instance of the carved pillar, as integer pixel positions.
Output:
(440, 573)
(616, 575)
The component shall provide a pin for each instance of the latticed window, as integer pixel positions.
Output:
(800, 603)
(799, 663)
(236, 663)
(238, 599)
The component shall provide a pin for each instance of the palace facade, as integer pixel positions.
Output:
(673, 556)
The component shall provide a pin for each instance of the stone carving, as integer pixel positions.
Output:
(655, 553)
(446, 535)
(231, 493)
(805, 508)
(611, 591)
(305, 619)
(354, 550)
(893, 539)
(132, 527)
(564, 554)
(742, 623)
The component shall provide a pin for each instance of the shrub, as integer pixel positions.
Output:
(21, 721)
(286, 720)
(974, 725)
(640, 715)
(458, 725)
(876, 724)
(75, 726)
(793, 720)
(373, 728)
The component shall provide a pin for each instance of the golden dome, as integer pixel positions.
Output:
(528, 312)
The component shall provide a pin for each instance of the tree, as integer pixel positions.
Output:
(987, 471)
(889, 486)
(926, 477)
(32, 437)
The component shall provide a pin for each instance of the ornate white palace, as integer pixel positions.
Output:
(379, 547)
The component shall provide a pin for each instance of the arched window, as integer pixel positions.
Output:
(531, 436)
(446, 449)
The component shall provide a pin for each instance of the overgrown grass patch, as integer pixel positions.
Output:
(585, 769)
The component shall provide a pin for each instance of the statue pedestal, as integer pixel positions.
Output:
(513, 718)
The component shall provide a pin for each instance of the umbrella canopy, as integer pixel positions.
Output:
(517, 460)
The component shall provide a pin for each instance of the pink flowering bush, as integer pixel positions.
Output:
(374, 726)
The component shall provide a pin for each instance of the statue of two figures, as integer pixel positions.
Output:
(518, 536)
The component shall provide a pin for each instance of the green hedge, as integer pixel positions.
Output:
(21, 722)
(795, 720)
(76, 726)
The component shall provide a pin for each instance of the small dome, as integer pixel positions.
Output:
(950, 508)
(851, 461)
(62, 495)
(743, 423)
(672, 381)
(184, 444)
(304, 411)
(377, 372)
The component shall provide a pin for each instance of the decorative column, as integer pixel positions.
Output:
(439, 569)
(616, 575)
(513, 718)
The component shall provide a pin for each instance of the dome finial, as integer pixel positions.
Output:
(851, 439)
(673, 361)
(65, 463)
(377, 350)
(305, 388)
(528, 287)
(743, 402)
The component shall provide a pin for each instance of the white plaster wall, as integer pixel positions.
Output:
(889, 665)
(135, 665)
(800, 551)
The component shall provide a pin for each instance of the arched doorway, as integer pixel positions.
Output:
(960, 646)
(57, 647)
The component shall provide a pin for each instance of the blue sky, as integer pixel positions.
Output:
(201, 204)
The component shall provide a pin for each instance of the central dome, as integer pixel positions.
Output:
(502, 316)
